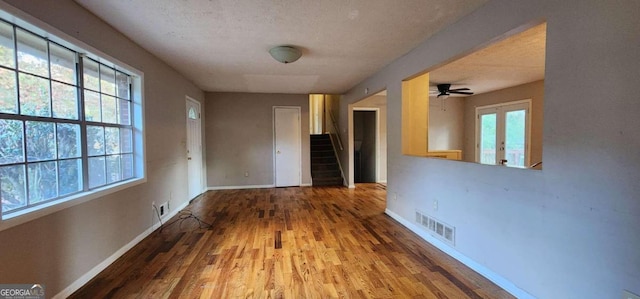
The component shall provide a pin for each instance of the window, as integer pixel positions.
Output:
(503, 134)
(66, 123)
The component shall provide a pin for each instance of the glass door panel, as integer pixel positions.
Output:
(488, 141)
(515, 138)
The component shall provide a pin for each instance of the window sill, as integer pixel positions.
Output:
(48, 208)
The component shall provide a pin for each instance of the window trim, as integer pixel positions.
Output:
(499, 107)
(30, 23)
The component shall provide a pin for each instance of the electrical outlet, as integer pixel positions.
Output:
(435, 205)
(163, 209)
(246, 174)
(395, 196)
(628, 295)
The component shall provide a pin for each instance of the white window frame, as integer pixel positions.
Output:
(21, 19)
(500, 130)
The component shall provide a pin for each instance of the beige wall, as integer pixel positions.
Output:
(446, 124)
(239, 134)
(58, 249)
(533, 91)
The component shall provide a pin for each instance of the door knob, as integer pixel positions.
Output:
(188, 158)
(277, 152)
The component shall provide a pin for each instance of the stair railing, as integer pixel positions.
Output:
(336, 129)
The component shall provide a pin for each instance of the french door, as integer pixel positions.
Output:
(503, 134)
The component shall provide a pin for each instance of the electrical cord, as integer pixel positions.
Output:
(184, 215)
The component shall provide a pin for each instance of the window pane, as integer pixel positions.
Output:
(112, 140)
(113, 169)
(127, 166)
(122, 85)
(6, 45)
(41, 141)
(43, 181)
(65, 101)
(107, 80)
(488, 139)
(63, 64)
(96, 172)
(515, 138)
(11, 141)
(13, 187)
(34, 96)
(70, 176)
(124, 112)
(109, 113)
(68, 141)
(91, 76)
(95, 140)
(126, 140)
(92, 106)
(8, 94)
(32, 53)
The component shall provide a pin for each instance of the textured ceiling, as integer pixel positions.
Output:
(515, 60)
(222, 45)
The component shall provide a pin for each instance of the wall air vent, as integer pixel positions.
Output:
(437, 228)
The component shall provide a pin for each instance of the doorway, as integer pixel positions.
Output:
(503, 134)
(194, 148)
(365, 147)
(287, 146)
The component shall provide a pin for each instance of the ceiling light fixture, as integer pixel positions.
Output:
(285, 54)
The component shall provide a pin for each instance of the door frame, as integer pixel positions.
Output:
(273, 114)
(201, 185)
(500, 128)
(352, 142)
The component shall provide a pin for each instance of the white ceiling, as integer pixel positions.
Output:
(515, 60)
(222, 45)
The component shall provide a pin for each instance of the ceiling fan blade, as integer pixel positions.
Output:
(460, 92)
(458, 89)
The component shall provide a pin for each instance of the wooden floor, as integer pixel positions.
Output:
(309, 242)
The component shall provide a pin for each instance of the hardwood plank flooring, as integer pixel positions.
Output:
(309, 242)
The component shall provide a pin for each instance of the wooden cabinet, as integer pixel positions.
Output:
(446, 154)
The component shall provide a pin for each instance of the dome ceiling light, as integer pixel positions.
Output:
(285, 54)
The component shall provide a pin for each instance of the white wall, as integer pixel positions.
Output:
(60, 248)
(570, 230)
(240, 138)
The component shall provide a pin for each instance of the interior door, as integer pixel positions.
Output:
(194, 148)
(287, 146)
(503, 134)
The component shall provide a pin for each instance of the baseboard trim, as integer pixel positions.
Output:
(382, 182)
(76, 285)
(306, 185)
(482, 270)
(213, 188)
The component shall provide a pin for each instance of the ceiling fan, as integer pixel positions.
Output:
(445, 90)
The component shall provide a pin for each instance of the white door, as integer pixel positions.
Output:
(503, 134)
(287, 146)
(194, 148)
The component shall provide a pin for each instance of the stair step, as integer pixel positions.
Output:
(328, 159)
(324, 164)
(326, 174)
(327, 181)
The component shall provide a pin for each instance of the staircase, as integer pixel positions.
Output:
(324, 165)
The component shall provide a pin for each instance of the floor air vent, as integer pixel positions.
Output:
(437, 228)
